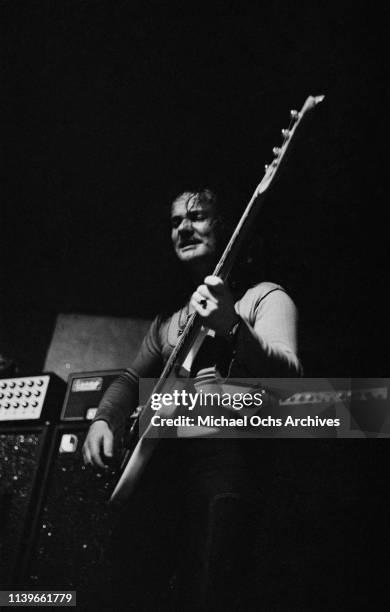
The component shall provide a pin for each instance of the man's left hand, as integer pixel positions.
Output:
(214, 302)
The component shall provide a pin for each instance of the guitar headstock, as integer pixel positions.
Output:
(279, 152)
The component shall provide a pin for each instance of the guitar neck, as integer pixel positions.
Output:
(239, 236)
(232, 249)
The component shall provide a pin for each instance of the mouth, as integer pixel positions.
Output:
(189, 244)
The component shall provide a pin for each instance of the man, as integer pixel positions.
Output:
(193, 513)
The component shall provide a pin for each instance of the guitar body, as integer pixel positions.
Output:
(137, 458)
(207, 381)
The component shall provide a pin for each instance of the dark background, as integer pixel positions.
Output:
(107, 106)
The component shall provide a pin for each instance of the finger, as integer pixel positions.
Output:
(95, 456)
(204, 292)
(108, 446)
(215, 284)
(201, 301)
(97, 461)
(197, 296)
(198, 307)
(86, 456)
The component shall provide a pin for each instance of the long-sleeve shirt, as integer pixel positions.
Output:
(265, 346)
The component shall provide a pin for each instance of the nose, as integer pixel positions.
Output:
(185, 226)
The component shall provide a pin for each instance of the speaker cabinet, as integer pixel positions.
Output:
(22, 473)
(74, 527)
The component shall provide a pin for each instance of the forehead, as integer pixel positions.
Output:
(186, 202)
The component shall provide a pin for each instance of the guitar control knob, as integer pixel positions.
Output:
(276, 150)
(285, 133)
(294, 114)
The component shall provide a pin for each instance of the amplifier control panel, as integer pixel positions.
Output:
(23, 398)
(319, 397)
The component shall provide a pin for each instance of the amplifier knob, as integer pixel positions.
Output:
(27, 393)
(12, 384)
(30, 383)
(21, 384)
(24, 404)
(40, 382)
(37, 393)
(34, 404)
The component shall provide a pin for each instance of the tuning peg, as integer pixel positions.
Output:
(276, 150)
(285, 133)
(294, 114)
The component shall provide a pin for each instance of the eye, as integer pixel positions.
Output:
(197, 215)
(175, 222)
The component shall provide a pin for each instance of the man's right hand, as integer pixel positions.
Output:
(98, 445)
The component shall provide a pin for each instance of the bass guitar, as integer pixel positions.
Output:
(194, 332)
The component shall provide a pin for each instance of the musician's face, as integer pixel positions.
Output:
(193, 229)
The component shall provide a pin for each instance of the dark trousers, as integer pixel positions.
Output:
(185, 539)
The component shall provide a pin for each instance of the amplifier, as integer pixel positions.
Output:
(30, 398)
(23, 452)
(25, 439)
(84, 392)
(363, 406)
(341, 395)
(73, 531)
